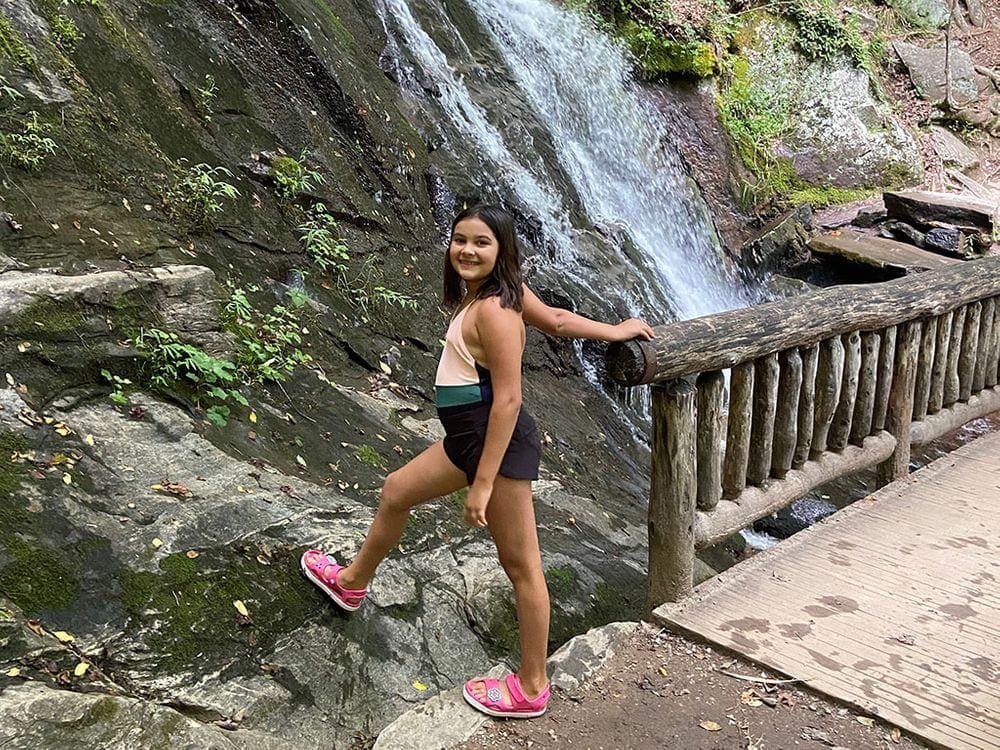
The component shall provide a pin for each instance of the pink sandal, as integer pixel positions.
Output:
(322, 570)
(520, 706)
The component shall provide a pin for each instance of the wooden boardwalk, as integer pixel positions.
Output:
(892, 605)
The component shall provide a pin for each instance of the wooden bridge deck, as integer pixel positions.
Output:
(892, 605)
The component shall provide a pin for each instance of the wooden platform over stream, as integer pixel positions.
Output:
(892, 605)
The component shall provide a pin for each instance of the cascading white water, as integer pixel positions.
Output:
(612, 144)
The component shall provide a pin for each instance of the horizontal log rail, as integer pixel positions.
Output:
(819, 386)
(716, 342)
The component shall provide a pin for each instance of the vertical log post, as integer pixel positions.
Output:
(710, 425)
(970, 348)
(985, 345)
(900, 411)
(939, 373)
(864, 408)
(787, 414)
(829, 373)
(840, 429)
(954, 350)
(925, 369)
(734, 467)
(993, 360)
(765, 403)
(886, 360)
(807, 406)
(673, 492)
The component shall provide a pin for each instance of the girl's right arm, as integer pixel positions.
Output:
(558, 322)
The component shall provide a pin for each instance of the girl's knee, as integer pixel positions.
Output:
(520, 567)
(394, 495)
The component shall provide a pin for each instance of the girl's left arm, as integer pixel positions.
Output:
(558, 322)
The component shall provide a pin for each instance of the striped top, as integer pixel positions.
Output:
(460, 380)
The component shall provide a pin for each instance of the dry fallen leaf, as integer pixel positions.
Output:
(866, 721)
(301, 461)
(418, 685)
(35, 627)
(191, 554)
(63, 636)
(750, 698)
(894, 734)
(253, 417)
(157, 543)
(89, 440)
(81, 669)
(67, 479)
(711, 726)
(241, 608)
(13, 672)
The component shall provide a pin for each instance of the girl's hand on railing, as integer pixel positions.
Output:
(633, 328)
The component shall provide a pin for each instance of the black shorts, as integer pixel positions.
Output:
(465, 435)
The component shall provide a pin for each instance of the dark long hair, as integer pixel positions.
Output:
(505, 280)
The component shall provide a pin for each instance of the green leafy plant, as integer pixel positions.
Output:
(12, 46)
(65, 31)
(294, 176)
(9, 92)
(197, 196)
(372, 296)
(118, 387)
(205, 97)
(270, 344)
(321, 244)
(174, 365)
(29, 147)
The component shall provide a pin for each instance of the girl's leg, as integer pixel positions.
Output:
(427, 476)
(511, 518)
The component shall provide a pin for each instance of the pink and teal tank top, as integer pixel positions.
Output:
(460, 380)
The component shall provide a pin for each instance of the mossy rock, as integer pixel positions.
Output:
(657, 56)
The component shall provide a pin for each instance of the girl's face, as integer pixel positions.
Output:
(473, 251)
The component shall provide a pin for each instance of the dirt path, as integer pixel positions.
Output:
(662, 691)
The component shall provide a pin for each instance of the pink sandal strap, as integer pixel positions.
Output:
(519, 701)
(326, 570)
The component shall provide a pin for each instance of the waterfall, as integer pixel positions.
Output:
(612, 144)
(606, 161)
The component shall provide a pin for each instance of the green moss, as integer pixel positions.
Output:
(13, 47)
(11, 473)
(369, 456)
(189, 606)
(820, 197)
(660, 56)
(52, 317)
(101, 712)
(562, 581)
(37, 579)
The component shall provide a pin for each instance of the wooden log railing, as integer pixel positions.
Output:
(820, 386)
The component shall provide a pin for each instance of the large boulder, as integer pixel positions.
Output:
(927, 13)
(836, 133)
(928, 72)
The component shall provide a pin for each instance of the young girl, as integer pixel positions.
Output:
(491, 444)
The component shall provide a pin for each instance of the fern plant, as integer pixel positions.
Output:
(198, 195)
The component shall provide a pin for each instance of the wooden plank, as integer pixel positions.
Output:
(765, 404)
(787, 415)
(846, 613)
(711, 386)
(970, 349)
(939, 373)
(951, 381)
(925, 369)
(673, 491)
(985, 345)
(883, 384)
(840, 428)
(993, 359)
(900, 414)
(864, 409)
(829, 373)
(807, 406)
(734, 466)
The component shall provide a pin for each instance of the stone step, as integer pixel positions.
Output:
(971, 215)
(877, 252)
